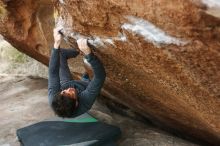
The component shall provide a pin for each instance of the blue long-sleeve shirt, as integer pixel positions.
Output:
(87, 92)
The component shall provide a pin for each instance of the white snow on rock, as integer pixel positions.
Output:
(62, 1)
(212, 3)
(150, 32)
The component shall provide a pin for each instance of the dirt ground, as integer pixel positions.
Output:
(24, 102)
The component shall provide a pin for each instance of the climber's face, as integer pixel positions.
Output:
(71, 93)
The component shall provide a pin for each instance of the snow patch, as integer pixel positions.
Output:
(95, 40)
(212, 3)
(150, 32)
(62, 1)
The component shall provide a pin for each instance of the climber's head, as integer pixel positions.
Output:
(65, 102)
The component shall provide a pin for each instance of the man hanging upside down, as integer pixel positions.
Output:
(68, 97)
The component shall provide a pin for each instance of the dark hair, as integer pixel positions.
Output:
(63, 106)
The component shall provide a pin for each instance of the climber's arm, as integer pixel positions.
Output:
(89, 95)
(54, 80)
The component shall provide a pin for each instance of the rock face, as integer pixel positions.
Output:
(162, 57)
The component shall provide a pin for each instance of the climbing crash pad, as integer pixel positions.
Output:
(84, 130)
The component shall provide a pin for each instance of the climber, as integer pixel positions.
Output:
(68, 97)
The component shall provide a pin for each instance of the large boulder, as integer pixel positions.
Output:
(162, 57)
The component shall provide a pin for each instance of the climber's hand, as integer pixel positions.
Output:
(82, 44)
(57, 37)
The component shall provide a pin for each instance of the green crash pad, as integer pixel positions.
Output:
(83, 130)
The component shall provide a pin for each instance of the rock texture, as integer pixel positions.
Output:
(162, 57)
